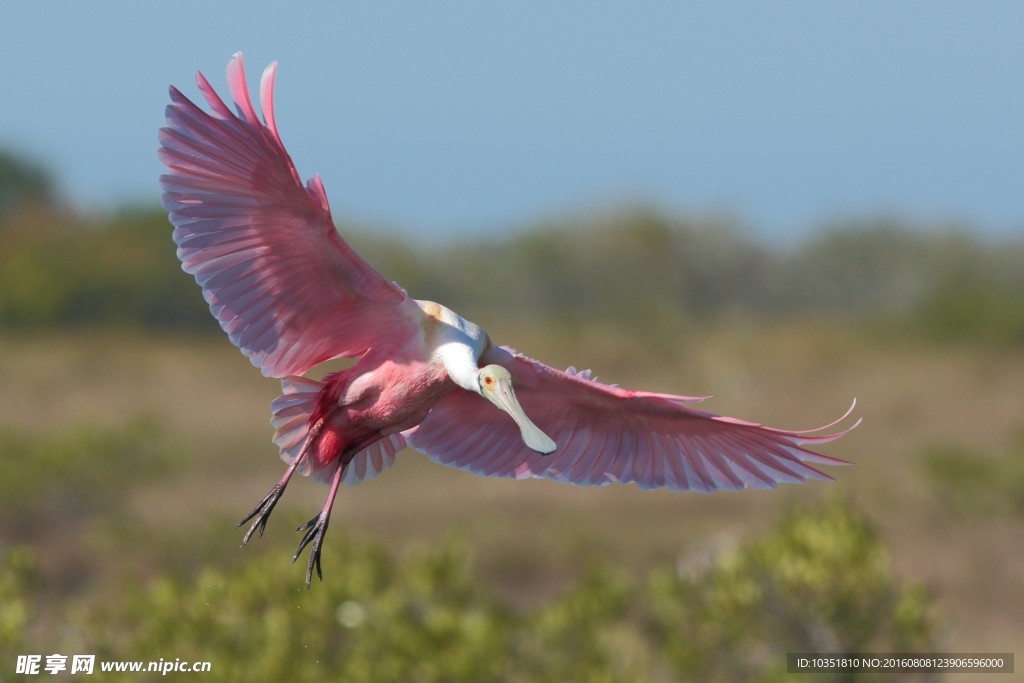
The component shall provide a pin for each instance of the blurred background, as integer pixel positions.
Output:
(783, 206)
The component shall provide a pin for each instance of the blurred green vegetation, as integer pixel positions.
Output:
(17, 588)
(971, 484)
(68, 472)
(820, 581)
(22, 183)
(60, 269)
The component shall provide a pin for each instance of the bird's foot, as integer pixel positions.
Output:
(261, 512)
(315, 530)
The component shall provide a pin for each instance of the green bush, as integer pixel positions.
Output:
(70, 472)
(588, 634)
(821, 581)
(969, 484)
(17, 573)
(22, 183)
(64, 270)
(976, 305)
(425, 619)
(639, 268)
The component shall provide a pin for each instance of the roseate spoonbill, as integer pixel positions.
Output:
(291, 293)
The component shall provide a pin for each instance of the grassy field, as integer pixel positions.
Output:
(201, 457)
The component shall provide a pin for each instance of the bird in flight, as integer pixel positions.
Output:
(291, 293)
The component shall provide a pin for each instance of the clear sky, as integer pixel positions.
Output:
(472, 117)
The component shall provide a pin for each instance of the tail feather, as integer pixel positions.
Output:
(291, 412)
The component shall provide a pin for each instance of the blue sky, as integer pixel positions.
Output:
(460, 118)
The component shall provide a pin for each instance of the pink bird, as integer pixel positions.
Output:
(291, 293)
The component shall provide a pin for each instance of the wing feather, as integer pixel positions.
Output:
(654, 476)
(280, 280)
(607, 434)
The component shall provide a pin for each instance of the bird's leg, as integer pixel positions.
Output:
(263, 508)
(317, 527)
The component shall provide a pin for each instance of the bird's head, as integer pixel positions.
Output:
(495, 384)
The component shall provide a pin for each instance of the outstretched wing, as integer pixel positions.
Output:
(606, 434)
(279, 278)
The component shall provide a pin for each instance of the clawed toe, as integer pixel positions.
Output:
(261, 513)
(315, 530)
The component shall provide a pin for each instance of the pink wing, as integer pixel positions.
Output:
(279, 278)
(606, 434)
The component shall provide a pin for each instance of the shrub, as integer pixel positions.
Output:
(70, 471)
(971, 484)
(820, 582)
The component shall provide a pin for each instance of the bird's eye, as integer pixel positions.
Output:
(488, 380)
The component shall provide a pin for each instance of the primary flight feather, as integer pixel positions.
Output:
(291, 294)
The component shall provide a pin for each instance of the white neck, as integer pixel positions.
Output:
(460, 364)
(457, 342)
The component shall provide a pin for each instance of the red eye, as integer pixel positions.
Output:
(488, 380)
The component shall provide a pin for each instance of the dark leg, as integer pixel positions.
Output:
(263, 508)
(317, 527)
